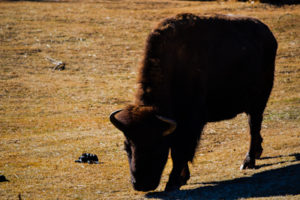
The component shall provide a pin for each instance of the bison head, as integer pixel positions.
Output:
(146, 143)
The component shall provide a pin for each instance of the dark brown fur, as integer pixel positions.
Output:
(196, 69)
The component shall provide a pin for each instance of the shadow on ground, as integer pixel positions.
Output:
(277, 182)
(273, 2)
(281, 2)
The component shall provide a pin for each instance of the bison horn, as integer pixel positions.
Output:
(116, 122)
(171, 122)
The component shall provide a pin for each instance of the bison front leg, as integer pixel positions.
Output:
(180, 173)
(255, 149)
(183, 146)
(178, 177)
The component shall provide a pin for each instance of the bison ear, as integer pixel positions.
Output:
(172, 125)
(117, 122)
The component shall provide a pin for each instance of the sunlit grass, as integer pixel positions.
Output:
(49, 118)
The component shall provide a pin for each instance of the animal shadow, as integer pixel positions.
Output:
(296, 156)
(272, 2)
(281, 2)
(276, 182)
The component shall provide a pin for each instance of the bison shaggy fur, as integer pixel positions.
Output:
(195, 70)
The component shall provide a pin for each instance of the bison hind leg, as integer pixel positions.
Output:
(255, 149)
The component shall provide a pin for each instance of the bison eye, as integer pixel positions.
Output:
(127, 148)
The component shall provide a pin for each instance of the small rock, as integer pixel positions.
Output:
(88, 158)
(60, 66)
(3, 178)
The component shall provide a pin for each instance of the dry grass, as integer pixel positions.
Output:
(49, 118)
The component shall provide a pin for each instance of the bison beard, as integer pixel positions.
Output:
(196, 69)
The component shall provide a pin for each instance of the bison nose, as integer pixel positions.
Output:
(133, 179)
(135, 185)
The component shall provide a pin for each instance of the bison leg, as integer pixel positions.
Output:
(178, 177)
(180, 173)
(183, 146)
(255, 149)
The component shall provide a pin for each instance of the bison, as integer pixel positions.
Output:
(195, 70)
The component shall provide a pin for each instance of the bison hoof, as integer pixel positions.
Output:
(248, 163)
(175, 185)
(170, 188)
(247, 166)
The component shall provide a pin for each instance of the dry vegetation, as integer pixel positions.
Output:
(49, 118)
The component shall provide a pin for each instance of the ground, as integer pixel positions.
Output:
(48, 118)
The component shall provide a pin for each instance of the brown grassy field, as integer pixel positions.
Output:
(48, 118)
